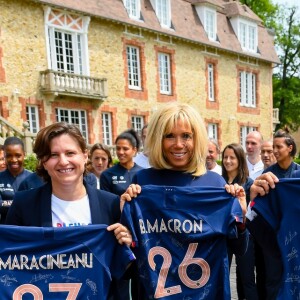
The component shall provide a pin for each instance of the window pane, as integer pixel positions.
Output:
(132, 7)
(211, 84)
(247, 89)
(213, 131)
(162, 11)
(107, 129)
(210, 24)
(133, 61)
(76, 117)
(164, 73)
(68, 49)
(32, 118)
(137, 123)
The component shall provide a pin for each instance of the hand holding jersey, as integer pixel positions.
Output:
(66, 200)
(262, 184)
(178, 205)
(121, 233)
(234, 189)
(192, 243)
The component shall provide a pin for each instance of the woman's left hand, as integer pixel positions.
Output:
(238, 191)
(122, 233)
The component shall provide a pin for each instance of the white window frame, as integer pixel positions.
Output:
(164, 65)
(137, 123)
(134, 67)
(133, 8)
(247, 34)
(67, 39)
(163, 12)
(212, 131)
(210, 23)
(208, 17)
(244, 130)
(252, 38)
(247, 89)
(32, 116)
(73, 116)
(107, 128)
(211, 81)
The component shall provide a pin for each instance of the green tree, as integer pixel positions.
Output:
(286, 81)
(265, 9)
(30, 162)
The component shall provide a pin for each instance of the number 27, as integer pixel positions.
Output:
(72, 288)
(161, 291)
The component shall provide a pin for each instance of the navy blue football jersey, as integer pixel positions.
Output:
(59, 263)
(281, 209)
(181, 237)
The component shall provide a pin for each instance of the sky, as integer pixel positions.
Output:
(289, 3)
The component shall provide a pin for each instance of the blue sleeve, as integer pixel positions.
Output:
(126, 220)
(91, 179)
(13, 216)
(104, 182)
(296, 174)
(247, 187)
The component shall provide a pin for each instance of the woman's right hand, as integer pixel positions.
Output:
(132, 192)
(262, 185)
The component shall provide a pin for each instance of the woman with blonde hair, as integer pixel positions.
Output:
(173, 194)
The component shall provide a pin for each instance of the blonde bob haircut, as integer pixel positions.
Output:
(162, 122)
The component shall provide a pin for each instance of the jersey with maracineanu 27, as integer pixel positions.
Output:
(59, 263)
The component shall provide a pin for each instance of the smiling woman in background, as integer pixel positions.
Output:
(117, 178)
(235, 170)
(15, 173)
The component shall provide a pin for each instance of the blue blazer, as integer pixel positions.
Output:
(33, 207)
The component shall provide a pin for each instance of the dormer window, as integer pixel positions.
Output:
(208, 17)
(246, 31)
(248, 35)
(210, 23)
(163, 12)
(133, 8)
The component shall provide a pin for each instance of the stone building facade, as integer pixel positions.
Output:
(107, 65)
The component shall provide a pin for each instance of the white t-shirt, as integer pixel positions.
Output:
(142, 160)
(70, 213)
(255, 170)
(217, 169)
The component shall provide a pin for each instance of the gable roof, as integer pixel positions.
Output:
(233, 9)
(185, 22)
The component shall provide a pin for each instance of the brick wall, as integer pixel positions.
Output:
(23, 55)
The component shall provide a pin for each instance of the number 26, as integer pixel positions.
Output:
(161, 291)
